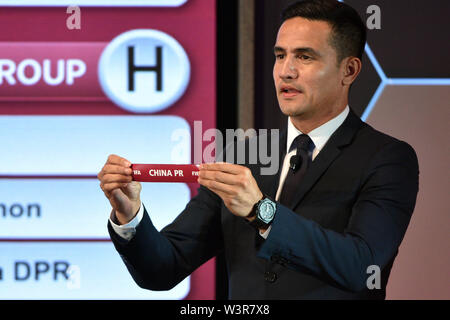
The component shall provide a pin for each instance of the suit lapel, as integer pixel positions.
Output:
(340, 138)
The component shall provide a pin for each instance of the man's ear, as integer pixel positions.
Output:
(351, 67)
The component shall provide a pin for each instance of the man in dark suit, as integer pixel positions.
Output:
(336, 210)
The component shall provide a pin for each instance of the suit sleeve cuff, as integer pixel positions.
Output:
(265, 234)
(128, 230)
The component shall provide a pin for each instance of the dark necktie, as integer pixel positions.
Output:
(298, 165)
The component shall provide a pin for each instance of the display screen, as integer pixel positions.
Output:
(76, 85)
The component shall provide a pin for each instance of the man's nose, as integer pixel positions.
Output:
(288, 70)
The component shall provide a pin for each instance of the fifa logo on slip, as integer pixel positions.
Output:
(144, 71)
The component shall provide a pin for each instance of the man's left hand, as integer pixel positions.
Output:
(234, 184)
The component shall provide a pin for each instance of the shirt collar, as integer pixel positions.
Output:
(319, 135)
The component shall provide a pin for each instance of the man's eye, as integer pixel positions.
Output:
(304, 57)
(279, 56)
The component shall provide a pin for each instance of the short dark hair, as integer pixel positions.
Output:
(348, 32)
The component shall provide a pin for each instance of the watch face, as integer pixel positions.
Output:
(266, 210)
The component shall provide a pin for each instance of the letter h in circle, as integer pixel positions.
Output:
(132, 68)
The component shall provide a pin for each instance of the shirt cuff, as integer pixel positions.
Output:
(128, 230)
(265, 234)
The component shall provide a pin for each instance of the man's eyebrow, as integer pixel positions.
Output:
(278, 49)
(298, 50)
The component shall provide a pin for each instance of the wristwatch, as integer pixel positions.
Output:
(264, 212)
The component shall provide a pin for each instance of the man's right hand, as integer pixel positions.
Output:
(117, 185)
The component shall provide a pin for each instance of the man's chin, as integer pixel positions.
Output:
(291, 111)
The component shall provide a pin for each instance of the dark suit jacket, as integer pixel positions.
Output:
(351, 211)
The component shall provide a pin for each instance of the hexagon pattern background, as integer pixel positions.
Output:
(404, 91)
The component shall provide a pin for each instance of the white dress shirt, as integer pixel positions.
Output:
(319, 136)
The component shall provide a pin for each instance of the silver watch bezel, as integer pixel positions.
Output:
(266, 201)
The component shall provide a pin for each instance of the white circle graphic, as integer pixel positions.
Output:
(144, 71)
